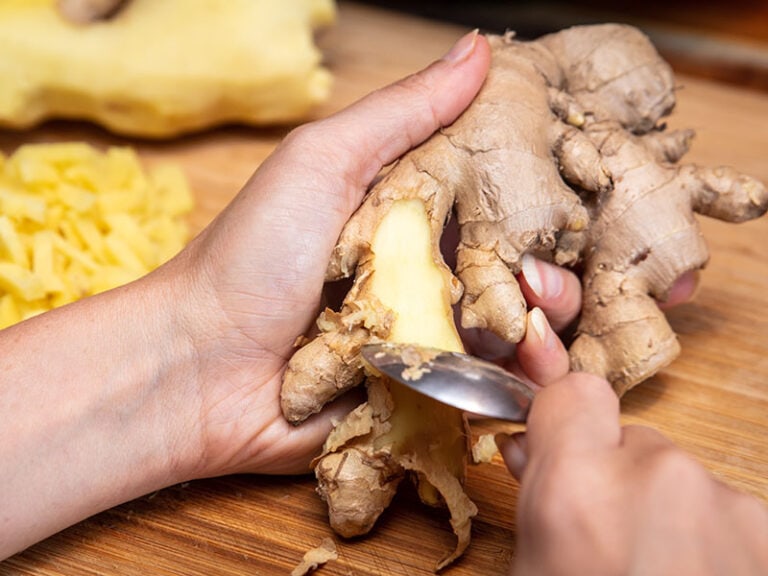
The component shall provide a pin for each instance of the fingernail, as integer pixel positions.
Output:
(463, 47)
(513, 449)
(541, 278)
(538, 324)
(531, 275)
(684, 289)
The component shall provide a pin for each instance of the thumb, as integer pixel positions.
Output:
(343, 153)
(389, 122)
(289, 215)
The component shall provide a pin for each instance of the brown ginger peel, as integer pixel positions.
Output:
(562, 155)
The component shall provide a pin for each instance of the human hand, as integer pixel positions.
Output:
(255, 275)
(252, 280)
(177, 376)
(597, 498)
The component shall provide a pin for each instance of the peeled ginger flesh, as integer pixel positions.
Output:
(75, 221)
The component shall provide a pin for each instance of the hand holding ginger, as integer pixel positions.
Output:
(177, 375)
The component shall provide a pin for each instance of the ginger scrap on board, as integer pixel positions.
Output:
(316, 557)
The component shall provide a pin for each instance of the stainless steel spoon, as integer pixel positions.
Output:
(456, 379)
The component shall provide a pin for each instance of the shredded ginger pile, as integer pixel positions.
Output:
(75, 221)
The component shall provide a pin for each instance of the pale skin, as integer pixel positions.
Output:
(177, 376)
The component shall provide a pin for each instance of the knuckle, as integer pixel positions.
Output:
(419, 94)
(591, 389)
(414, 85)
(306, 136)
(318, 146)
(672, 466)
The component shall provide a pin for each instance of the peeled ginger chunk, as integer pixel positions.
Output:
(75, 221)
(159, 68)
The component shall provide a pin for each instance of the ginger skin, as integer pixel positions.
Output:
(643, 234)
(562, 156)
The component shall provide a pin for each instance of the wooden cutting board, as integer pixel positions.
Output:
(713, 401)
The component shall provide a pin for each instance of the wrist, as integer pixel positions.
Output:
(142, 363)
(165, 372)
(91, 409)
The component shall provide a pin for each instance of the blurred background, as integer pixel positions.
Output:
(724, 41)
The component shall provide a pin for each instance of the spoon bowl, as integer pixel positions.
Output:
(456, 379)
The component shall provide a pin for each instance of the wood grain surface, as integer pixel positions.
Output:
(713, 401)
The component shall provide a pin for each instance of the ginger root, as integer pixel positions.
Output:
(561, 155)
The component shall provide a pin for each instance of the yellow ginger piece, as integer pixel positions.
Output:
(158, 69)
(75, 221)
(397, 430)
